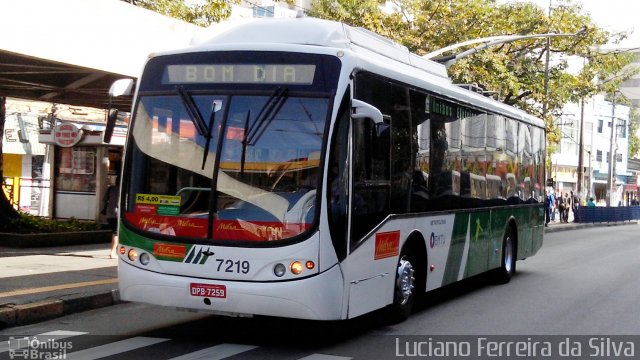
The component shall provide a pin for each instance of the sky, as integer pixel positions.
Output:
(611, 15)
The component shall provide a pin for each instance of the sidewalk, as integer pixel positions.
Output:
(43, 283)
(558, 226)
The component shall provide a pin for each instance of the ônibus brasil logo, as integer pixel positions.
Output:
(32, 348)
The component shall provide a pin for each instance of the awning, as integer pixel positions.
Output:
(71, 51)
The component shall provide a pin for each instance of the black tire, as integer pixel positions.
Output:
(404, 289)
(508, 260)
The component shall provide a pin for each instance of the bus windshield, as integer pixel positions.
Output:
(225, 167)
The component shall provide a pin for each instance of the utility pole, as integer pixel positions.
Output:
(547, 49)
(612, 158)
(581, 152)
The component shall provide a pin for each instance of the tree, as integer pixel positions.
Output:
(514, 72)
(202, 13)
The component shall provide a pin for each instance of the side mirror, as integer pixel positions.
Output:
(121, 87)
(112, 116)
(361, 110)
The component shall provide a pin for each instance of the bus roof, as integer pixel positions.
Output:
(374, 52)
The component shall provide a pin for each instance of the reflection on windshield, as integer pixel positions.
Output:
(269, 166)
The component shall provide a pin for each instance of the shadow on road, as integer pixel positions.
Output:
(306, 334)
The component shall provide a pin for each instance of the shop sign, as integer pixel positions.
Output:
(66, 135)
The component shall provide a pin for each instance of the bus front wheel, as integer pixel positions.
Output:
(404, 289)
(508, 262)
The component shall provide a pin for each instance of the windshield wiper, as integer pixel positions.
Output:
(196, 118)
(268, 112)
(212, 119)
(244, 144)
(192, 110)
(266, 115)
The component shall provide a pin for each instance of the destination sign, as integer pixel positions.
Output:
(298, 74)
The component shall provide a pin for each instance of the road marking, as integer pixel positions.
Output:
(324, 357)
(21, 342)
(216, 352)
(56, 287)
(114, 348)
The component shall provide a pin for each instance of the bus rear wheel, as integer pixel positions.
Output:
(508, 263)
(404, 294)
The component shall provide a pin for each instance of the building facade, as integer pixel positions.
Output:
(600, 117)
(26, 162)
(268, 8)
(56, 163)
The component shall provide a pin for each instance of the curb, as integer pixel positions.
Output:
(54, 239)
(24, 314)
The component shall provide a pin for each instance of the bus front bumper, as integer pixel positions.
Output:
(318, 297)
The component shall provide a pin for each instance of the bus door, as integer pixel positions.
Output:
(369, 206)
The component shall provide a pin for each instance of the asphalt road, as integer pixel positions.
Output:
(582, 282)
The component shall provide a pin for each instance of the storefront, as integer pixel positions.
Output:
(600, 181)
(26, 171)
(84, 167)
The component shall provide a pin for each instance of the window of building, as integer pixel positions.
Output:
(622, 129)
(76, 169)
(600, 123)
(599, 155)
(263, 11)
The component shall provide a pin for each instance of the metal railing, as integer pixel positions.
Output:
(588, 214)
(13, 190)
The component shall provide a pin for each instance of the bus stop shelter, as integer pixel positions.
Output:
(71, 51)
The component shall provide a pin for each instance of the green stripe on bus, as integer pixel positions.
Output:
(128, 238)
(477, 259)
(454, 258)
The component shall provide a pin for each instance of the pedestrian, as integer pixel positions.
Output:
(590, 203)
(560, 207)
(549, 207)
(110, 211)
(558, 213)
(575, 203)
(547, 213)
(567, 207)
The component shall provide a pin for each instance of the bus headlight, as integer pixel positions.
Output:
(144, 259)
(279, 270)
(132, 254)
(296, 267)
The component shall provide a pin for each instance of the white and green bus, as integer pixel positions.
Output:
(304, 168)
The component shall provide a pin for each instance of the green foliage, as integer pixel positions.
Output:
(515, 71)
(202, 13)
(28, 224)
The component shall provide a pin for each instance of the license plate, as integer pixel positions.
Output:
(208, 290)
